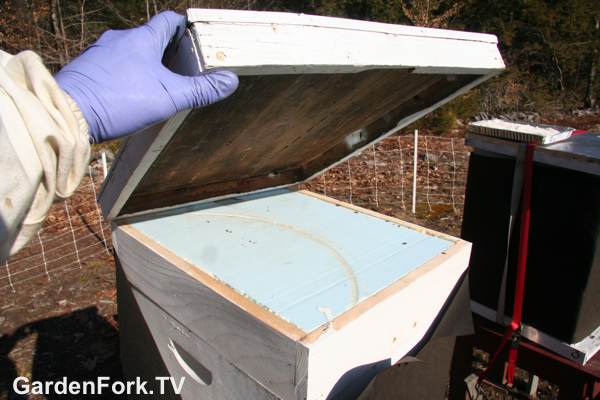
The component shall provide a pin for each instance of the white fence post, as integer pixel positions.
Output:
(10, 282)
(414, 188)
(72, 232)
(104, 166)
(98, 208)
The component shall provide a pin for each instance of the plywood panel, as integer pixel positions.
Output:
(278, 130)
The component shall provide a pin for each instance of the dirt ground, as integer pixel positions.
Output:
(61, 318)
(58, 313)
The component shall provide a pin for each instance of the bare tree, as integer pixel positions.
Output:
(56, 29)
(430, 13)
(590, 99)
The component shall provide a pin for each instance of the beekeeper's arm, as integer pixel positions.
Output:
(115, 87)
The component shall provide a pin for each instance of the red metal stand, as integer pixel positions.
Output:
(575, 382)
(512, 332)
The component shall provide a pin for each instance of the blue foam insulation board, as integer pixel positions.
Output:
(305, 259)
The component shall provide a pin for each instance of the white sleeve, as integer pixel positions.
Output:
(44, 147)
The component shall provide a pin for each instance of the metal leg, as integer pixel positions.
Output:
(573, 380)
(515, 200)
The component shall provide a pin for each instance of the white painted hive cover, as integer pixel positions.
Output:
(313, 91)
(521, 132)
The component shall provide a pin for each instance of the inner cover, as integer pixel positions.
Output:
(307, 266)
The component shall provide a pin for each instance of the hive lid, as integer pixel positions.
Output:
(521, 132)
(580, 152)
(313, 91)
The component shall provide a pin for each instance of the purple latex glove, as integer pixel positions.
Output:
(121, 85)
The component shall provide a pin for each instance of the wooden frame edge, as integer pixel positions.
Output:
(350, 315)
(410, 225)
(343, 319)
(211, 15)
(116, 190)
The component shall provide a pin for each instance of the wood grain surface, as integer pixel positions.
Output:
(219, 379)
(279, 130)
(267, 43)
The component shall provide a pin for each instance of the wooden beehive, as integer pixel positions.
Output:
(245, 285)
(562, 289)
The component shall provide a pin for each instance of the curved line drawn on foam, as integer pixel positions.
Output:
(310, 236)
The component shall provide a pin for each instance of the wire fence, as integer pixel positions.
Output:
(381, 178)
(384, 174)
(73, 236)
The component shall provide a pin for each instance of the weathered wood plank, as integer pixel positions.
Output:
(283, 43)
(138, 352)
(208, 375)
(278, 130)
(135, 157)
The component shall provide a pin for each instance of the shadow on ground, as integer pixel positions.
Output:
(81, 346)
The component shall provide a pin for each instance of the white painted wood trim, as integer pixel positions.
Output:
(590, 345)
(136, 156)
(388, 330)
(265, 43)
(542, 154)
(206, 15)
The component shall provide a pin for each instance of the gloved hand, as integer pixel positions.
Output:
(121, 86)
